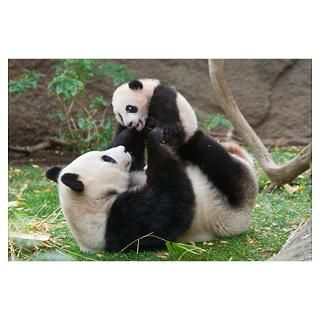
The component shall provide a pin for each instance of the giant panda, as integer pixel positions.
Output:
(202, 191)
(146, 103)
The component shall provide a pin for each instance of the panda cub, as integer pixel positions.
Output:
(210, 194)
(146, 103)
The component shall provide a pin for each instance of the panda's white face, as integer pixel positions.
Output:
(88, 186)
(130, 105)
(98, 172)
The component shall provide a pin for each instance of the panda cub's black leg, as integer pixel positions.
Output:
(225, 172)
(161, 163)
(134, 142)
(163, 113)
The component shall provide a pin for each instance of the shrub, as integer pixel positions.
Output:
(89, 127)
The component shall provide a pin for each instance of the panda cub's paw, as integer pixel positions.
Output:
(156, 135)
(173, 134)
(172, 129)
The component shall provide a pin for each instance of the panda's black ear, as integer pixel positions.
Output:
(135, 85)
(53, 173)
(71, 180)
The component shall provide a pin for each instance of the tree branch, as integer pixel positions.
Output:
(47, 143)
(278, 174)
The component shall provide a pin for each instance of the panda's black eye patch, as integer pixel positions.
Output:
(131, 109)
(108, 159)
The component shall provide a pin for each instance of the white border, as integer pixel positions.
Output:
(228, 29)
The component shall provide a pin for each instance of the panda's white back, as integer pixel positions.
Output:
(213, 216)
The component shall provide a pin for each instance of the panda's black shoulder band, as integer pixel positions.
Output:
(135, 85)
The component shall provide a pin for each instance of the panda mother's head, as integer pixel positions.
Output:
(131, 101)
(94, 174)
(87, 188)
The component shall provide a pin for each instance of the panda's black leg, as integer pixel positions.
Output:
(216, 163)
(162, 164)
(164, 209)
(134, 143)
(119, 137)
(163, 113)
(173, 133)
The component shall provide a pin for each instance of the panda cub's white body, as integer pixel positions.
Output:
(107, 206)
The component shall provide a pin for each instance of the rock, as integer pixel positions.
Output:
(299, 245)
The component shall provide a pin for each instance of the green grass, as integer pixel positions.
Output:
(34, 208)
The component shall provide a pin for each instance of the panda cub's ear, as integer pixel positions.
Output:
(71, 180)
(135, 85)
(53, 173)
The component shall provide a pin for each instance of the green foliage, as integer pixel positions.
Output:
(98, 102)
(118, 72)
(34, 208)
(71, 76)
(181, 249)
(57, 115)
(87, 126)
(66, 87)
(81, 69)
(28, 80)
(216, 120)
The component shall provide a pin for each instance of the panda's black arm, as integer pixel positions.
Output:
(164, 113)
(134, 143)
(163, 209)
(216, 163)
(162, 164)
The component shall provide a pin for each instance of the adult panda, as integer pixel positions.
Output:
(106, 211)
(211, 194)
(146, 103)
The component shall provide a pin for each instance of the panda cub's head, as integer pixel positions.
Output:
(131, 101)
(87, 187)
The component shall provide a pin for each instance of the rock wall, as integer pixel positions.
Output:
(299, 245)
(274, 95)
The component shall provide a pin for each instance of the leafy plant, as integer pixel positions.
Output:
(70, 78)
(88, 127)
(118, 72)
(216, 120)
(98, 102)
(66, 87)
(28, 80)
(85, 124)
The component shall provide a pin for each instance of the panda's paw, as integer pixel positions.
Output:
(172, 129)
(173, 134)
(156, 135)
(151, 122)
